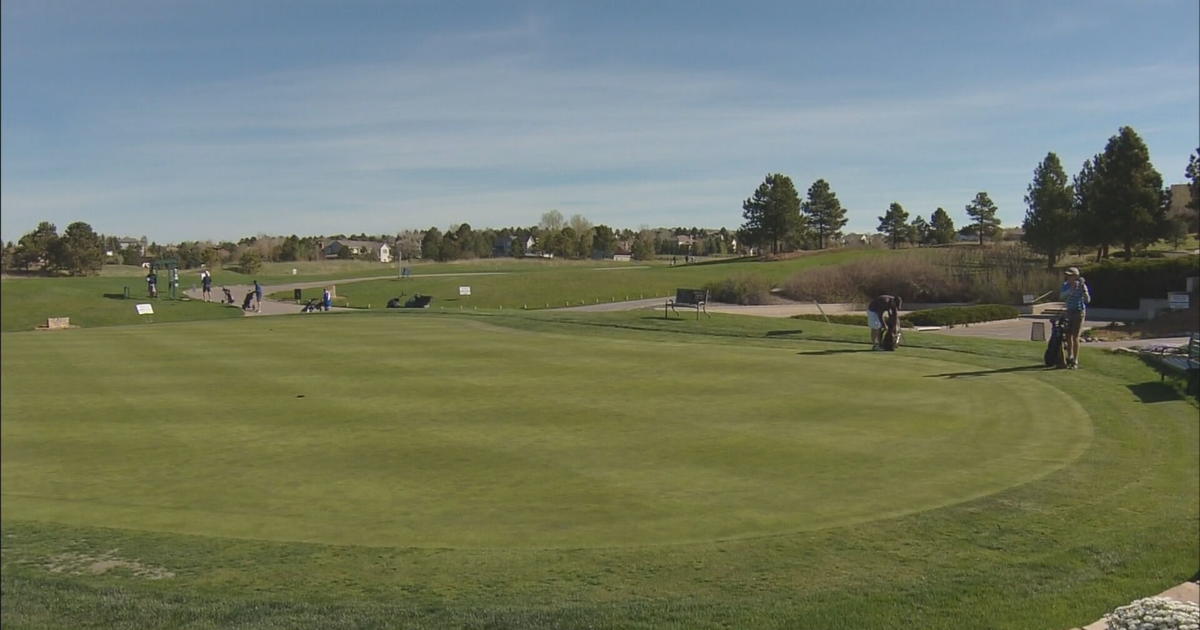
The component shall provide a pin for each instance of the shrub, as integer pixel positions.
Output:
(953, 315)
(953, 274)
(1155, 613)
(842, 318)
(740, 289)
(1121, 284)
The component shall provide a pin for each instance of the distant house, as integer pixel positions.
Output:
(1181, 196)
(378, 251)
(684, 240)
(622, 257)
(126, 243)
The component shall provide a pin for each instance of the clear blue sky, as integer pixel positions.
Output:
(216, 120)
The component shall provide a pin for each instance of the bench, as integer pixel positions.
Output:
(1185, 360)
(687, 298)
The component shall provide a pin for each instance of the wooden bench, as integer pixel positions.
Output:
(687, 298)
(1185, 360)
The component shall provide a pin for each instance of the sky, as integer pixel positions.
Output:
(215, 120)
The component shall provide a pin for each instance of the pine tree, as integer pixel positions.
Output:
(894, 224)
(1129, 192)
(773, 213)
(824, 212)
(983, 212)
(919, 230)
(1048, 222)
(941, 227)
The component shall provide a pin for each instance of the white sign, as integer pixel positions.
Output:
(145, 309)
(1028, 298)
(1178, 300)
(464, 290)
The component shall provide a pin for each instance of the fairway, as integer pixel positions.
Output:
(451, 432)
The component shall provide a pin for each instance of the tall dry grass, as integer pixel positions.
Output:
(1000, 274)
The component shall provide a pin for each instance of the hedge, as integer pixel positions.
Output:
(954, 315)
(1121, 284)
(945, 316)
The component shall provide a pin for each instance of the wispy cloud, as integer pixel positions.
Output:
(387, 146)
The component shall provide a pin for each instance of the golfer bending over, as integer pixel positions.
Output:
(884, 308)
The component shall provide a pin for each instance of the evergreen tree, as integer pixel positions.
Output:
(1193, 176)
(773, 212)
(80, 250)
(1048, 224)
(824, 212)
(35, 247)
(919, 231)
(894, 224)
(1089, 227)
(431, 244)
(941, 227)
(983, 212)
(1129, 192)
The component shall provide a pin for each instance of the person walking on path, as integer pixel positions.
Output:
(206, 285)
(1075, 293)
(258, 296)
(326, 299)
(884, 308)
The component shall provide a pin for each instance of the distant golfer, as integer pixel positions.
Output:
(1075, 293)
(883, 311)
(152, 283)
(206, 285)
(258, 295)
(326, 299)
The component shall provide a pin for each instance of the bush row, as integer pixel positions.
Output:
(1120, 284)
(954, 315)
(740, 289)
(947, 316)
(990, 275)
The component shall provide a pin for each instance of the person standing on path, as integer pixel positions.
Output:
(1074, 291)
(206, 285)
(258, 296)
(884, 308)
(326, 299)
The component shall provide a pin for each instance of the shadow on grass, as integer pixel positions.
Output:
(117, 296)
(1024, 368)
(781, 333)
(1154, 392)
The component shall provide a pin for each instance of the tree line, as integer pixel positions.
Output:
(776, 219)
(1117, 199)
(81, 251)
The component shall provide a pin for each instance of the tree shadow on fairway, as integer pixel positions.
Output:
(1154, 392)
(1024, 368)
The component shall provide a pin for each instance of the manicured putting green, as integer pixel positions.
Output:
(451, 432)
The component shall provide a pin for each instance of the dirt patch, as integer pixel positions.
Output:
(85, 564)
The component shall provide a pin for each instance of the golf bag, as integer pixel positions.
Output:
(228, 297)
(246, 302)
(1056, 350)
(311, 307)
(889, 337)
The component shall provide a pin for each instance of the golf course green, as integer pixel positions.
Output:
(424, 469)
